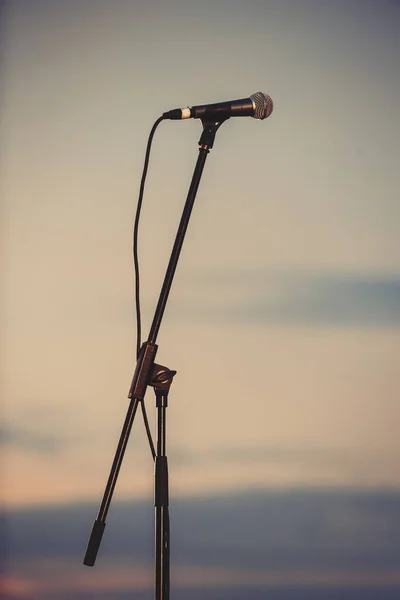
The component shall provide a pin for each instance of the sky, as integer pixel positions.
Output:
(283, 319)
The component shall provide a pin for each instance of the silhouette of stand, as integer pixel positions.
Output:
(148, 373)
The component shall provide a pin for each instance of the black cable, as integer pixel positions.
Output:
(137, 273)
(135, 237)
(147, 426)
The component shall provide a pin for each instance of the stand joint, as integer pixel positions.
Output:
(210, 128)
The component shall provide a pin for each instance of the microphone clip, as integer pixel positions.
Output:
(210, 128)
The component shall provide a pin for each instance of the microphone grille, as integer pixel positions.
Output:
(263, 105)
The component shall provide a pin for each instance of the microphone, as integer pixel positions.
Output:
(259, 106)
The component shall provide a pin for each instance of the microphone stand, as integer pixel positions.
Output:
(148, 373)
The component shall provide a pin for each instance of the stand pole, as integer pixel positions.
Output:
(176, 250)
(161, 383)
(149, 373)
(161, 503)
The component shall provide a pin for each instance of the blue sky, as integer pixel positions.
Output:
(286, 298)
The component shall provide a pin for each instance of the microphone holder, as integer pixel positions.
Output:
(148, 373)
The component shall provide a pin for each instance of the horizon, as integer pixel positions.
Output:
(283, 319)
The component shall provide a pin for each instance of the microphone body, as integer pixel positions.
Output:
(259, 106)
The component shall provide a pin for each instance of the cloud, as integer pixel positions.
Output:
(344, 529)
(224, 543)
(296, 297)
(43, 443)
(273, 453)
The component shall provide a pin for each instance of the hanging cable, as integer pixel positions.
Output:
(137, 272)
(135, 237)
(147, 426)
